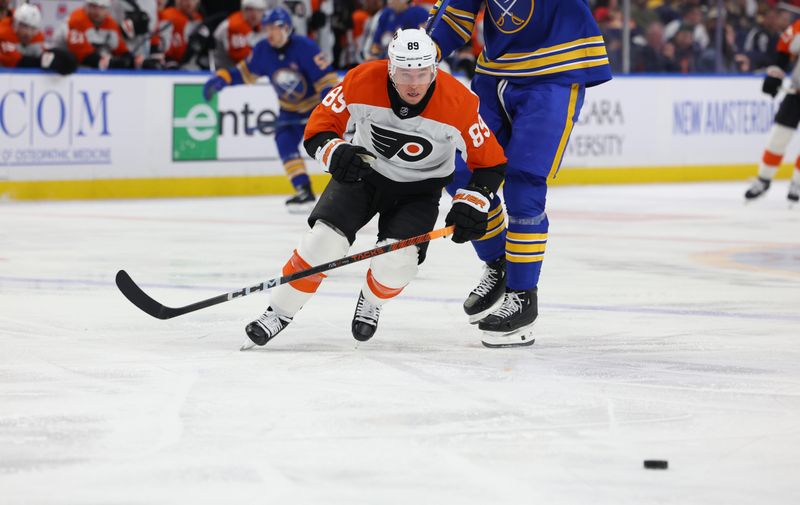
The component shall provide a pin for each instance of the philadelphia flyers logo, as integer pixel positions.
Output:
(407, 147)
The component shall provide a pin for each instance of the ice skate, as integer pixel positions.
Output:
(488, 294)
(302, 202)
(264, 329)
(365, 319)
(794, 193)
(511, 325)
(758, 188)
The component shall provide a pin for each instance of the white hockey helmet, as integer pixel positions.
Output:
(100, 3)
(28, 15)
(255, 4)
(411, 49)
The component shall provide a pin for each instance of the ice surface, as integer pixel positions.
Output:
(669, 329)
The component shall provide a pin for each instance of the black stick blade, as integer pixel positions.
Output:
(141, 299)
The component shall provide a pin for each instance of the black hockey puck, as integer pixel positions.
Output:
(656, 464)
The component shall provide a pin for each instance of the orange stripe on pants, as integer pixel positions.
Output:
(379, 289)
(308, 284)
(771, 159)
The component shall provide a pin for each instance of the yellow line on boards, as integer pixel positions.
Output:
(154, 187)
(279, 184)
(673, 174)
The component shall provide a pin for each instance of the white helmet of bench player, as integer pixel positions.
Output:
(28, 15)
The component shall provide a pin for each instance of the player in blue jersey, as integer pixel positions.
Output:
(301, 76)
(530, 78)
(397, 15)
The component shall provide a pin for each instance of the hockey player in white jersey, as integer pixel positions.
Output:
(409, 120)
(787, 118)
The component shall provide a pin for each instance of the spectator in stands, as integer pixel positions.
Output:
(741, 14)
(396, 15)
(94, 38)
(235, 37)
(691, 18)
(611, 23)
(657, 55)
(667, 12)
(731, 59)
(761, 40)
(22, 44)
(686, 51)
(641, 14)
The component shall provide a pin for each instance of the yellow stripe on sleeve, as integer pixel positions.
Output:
(457, 28)
(247, 76)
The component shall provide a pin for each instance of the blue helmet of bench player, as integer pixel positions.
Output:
(277, 16)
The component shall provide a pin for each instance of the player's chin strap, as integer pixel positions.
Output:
(138, 297)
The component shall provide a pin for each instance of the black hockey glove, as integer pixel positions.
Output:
(771, 85)
(124, 60)
(775, 75)
(346, 162)
(59, 60)
(470, 213)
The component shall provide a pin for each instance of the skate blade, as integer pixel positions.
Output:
(476, 318)
(300, 208)
(248, 344)
(522, 337)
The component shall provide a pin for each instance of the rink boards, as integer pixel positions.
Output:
(117, 135)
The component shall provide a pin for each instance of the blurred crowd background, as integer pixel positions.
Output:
(653, 36)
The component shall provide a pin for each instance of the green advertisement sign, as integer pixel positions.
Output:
(194, 124)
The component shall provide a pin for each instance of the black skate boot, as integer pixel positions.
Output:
(794, 193)
(365, 319)
(264, 329)
(759, 187)
(302, 202)
(489, 292)
(512, 324)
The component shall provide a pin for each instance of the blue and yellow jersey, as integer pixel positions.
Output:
(299, 72)
(552, 40)
(389, 21)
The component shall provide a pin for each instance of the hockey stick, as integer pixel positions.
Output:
(268, 127)
(142, 300)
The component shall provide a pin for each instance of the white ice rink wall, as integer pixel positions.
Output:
(106, 135)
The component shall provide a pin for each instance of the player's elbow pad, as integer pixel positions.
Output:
(489, 178)
(311, 144)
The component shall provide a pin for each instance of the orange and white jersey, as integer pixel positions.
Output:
(12, 50)
(412, 149)
(82, 37)
(175, 40)
(236, 38)
(789, 42)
